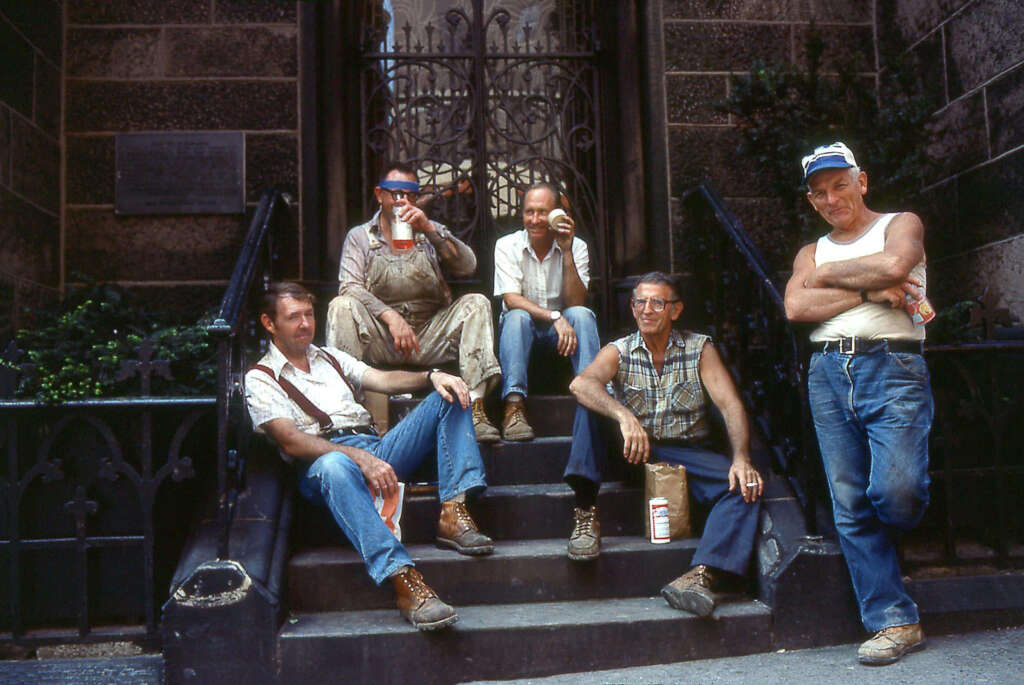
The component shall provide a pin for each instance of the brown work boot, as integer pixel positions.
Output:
(693, 591)
(485, 430)
(419, 604)
(456, 530)
(514, 426)
(890, 644)
(585, 540)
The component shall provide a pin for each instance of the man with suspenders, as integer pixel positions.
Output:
(305, 398)
(869, 387)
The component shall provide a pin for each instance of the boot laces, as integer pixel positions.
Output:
(417, 588)
(462, 515)
(584, 522)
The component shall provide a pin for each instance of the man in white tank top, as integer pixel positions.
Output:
(869, 387)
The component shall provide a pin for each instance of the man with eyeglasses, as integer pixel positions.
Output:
(660, 377)
(394, 305)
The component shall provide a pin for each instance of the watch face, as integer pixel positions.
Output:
(555, 316)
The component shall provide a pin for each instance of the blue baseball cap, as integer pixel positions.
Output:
(834, 156)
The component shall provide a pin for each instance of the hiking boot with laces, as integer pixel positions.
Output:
(514, 426)
(457, 530)
(485, 430)
(693, 591)
(419, 604)
(585, 540)
(890, 644)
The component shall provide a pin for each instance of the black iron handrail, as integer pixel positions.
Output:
(254, 265)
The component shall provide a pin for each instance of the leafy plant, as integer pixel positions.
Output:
(76, 352)
(784, 112)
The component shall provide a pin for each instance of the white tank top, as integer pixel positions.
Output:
(867, 320)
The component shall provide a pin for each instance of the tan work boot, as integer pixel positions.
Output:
(457, 530)
(485, 430)
(585, 540)
(693, 591)
(890, 644)
(419, 604)
(514, 426)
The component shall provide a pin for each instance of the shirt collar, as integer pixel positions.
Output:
(524, 243)
(674, 338)
(275, 360)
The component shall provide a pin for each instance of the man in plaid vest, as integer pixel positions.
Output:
(661, 378)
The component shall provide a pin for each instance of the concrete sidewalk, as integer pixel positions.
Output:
(994, 656)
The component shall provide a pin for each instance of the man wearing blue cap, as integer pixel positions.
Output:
(394, 305)
(869, 386)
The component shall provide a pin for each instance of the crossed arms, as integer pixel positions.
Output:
(814, 294)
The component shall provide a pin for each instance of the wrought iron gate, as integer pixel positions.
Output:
(485, 97)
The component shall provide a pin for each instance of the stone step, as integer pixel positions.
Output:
(501, 641)
(505, 512)
(549, 415)
(335, 579)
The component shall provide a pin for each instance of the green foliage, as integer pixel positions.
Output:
(785, 112)
(77, 350)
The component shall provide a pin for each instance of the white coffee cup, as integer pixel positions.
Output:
(555, 217)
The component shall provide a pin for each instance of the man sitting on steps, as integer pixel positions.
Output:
(305, 398)
(660, 377)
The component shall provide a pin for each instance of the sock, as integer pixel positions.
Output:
(460, 498)
(513, 397)
(400, 571)
(585, 491)
(478, 392)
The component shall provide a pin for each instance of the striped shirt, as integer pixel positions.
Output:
(518, 270)
(267, 400)
(672, 405)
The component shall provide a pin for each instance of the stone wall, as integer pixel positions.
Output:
(706, 42)
(974, 202)
(30, 188)
(175, 65)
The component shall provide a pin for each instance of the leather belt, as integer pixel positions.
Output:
(871, 345)
(354, 430)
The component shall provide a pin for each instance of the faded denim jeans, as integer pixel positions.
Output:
(873, 413)
(334, 480)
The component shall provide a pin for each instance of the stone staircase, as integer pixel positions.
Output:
(524, 611)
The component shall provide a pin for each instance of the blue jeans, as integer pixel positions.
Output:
(727, 542)
(517, 332)
(334, 480)
(872, 413)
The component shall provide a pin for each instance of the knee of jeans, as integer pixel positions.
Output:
(334, 469)
(476, 303)
(900, 504)
(581, 315)
(516, 317)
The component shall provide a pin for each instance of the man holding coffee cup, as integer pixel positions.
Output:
(541, 273)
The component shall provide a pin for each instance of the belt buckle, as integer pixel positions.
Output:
(852, 348)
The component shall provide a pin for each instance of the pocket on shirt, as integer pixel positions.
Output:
(687, 394)
(633, 398)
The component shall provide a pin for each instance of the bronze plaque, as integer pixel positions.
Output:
(180, 173)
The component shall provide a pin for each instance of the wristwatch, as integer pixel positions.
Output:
(431, 373)
(555, 316)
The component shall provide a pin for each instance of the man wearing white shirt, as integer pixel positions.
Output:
(305, 398)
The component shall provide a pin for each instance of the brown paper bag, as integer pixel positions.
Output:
(668, 481)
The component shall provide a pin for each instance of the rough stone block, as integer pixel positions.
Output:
(47, 97)
(691, 99)
(849, 46)
(711, 153)
(980, 42)
(17, 59)
(959, 138)
(836, 11)
(235, 51)
(113, 53)
(773, 10)
(102, 246)
(925, 64)
(938, 211)
(29, 240)
(187, 301)
(998, 267)
(764, 219)
(915, 18)
(1006, 111)
(138, 12)
(5, 146)
(104, 106)
(991, 202)
(255, 11)
(723, 47)
(39, 21)
(35, 165)
(271, 160)
(90, 170)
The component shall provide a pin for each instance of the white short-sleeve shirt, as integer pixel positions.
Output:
(518, 270)
(323, 386)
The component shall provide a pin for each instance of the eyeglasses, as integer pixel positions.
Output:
(398, 195)
(657, 304)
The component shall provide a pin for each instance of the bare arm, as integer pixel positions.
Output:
(804, 303)
(590, 390)
(574, 292)
(904, 249)
(720, 387)
(379, 475)
(517, 301)
(395, 382)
